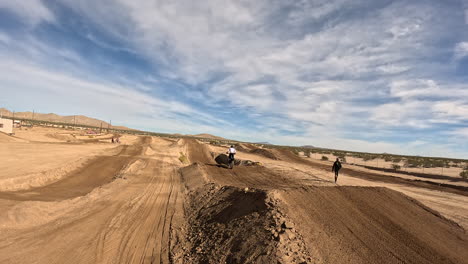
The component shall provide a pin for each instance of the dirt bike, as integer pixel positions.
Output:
(231, 163)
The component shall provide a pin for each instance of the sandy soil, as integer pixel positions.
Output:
(25, 165)
(41, 134)
(121, 216)
(381, 163)
(157, 200)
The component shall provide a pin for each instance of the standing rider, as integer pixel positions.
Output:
(231, 151)
(336, 168)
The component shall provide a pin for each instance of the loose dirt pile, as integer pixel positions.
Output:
(223, 160)
(372, 225)
(229, 225)
(4, 138)
(264, 152)
(141, 204)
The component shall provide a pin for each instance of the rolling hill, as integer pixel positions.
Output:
(71, 119)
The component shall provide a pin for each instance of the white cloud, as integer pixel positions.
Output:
(424, 103)
(406, 113)
(462, 132)
(108, 99)
(461, 50)
(310, 67)
(451, 109)
(34, 11)
(4, 38)
(392, 68)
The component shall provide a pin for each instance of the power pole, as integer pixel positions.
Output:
(100, 130)
(74, 121)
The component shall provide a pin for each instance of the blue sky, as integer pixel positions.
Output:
(380, 76)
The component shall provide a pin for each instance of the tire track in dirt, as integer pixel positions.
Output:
(461, 190)
(147, 220)
(81, 181)
(132, 226)
(338, 224)
(372, 225)
(240, 176)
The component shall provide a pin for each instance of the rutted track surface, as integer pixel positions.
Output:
(350, 224)
(131, 225)
(138, 217)
(95, 173)
(372, 225)
(456, 189)
(240, 176)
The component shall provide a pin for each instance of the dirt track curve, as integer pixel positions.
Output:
(351, 224)
(129, 225)
(145, 204)
(80, 182)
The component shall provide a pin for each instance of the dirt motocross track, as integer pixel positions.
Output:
(143, 203)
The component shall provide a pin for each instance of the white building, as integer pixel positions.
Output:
(6, 125)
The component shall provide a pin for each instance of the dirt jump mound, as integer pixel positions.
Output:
(230, 225)
(223, 160)
(264, 152)
(372, 225)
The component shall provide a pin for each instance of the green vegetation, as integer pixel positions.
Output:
(324, 158)
(396, 166)
(183, 158)
(422, 162)
(464, 173)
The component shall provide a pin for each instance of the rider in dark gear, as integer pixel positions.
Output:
(336, 168)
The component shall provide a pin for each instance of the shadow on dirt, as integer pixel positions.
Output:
(237, 204)
(230, 225)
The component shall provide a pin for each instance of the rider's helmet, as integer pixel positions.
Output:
(232, 146)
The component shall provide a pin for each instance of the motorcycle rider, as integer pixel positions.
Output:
(231, 152)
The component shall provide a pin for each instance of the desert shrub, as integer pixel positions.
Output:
(396, 160)
(464, 174)
(340, 155)
(414, 163)
(387, 158)
(183, 158)
(428, 163)
(324, 158)
(396, 166)
(368, 157)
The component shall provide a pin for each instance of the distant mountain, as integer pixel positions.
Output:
(264, 142)
(73, 119)
(208, 136)
(308, 146)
